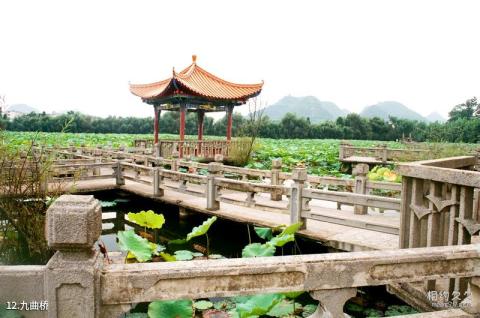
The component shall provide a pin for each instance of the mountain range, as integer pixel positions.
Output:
(307, 106)
(314, 109)
(317, 110)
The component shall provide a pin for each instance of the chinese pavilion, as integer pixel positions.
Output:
(194, 89)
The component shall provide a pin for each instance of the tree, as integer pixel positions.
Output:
(465, 110)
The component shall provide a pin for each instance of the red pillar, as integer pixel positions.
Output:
(229, 122)
(200, 117)
(183, 110)
(182, 122)
(155, 124)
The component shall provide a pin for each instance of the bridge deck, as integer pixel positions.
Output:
(343, 237)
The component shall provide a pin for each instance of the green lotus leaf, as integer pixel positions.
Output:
(308, 310)
(177, 242)
(282, 309)
(147, 219)
(171, 309)
(202, 304)
(135, 244)
(136, 315)
(258, 305)
(156, 248)
(281, 240)
(167, 257)
(399, 310)
(292, 229)
(8, 313)
(108, 204)
(258, 250)
(293, 294)
(201, 229)
(197, 254)
(183, 255)
(264, 232)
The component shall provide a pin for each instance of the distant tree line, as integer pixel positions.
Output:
(463, 126)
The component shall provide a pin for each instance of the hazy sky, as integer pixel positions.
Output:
(57, 55)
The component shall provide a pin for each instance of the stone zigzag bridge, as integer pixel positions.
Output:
(437, 220)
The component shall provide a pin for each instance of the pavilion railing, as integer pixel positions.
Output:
(200, 148)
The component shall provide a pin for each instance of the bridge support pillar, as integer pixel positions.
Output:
(331, 302)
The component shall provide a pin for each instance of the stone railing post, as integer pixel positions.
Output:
(299, 176)
(119, 173)
(360, 172)
(477, 165)
(275, 179)
(331, 302)
(96, 170)
(157, 148)
(157, 182)
(341, 150)
(214, 170)
(174, 165)
(384, 153)
(72, 277)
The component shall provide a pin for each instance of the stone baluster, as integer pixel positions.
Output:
(341, 150)
(275, 178)
(360, 172)
(72, 277)
(174, 165)
(331, 302)
(250, 199)
(215, 169)
(96, 170)
(299, 176)
(384, 153)
(118, 169)
(157, 181)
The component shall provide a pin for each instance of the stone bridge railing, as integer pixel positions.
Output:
(209, 180)
(381, 153)
(77, 282)
(440, 207)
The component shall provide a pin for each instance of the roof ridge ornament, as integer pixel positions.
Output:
(173, 71)
(194, 58)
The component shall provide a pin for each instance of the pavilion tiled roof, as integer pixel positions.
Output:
(199, 82)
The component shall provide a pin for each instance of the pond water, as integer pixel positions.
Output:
(226, 238)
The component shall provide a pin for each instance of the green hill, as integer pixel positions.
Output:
(433, 117)
(307, 106)
(393, 109)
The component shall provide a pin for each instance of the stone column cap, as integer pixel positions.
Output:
(74, 222)
(299, 174)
